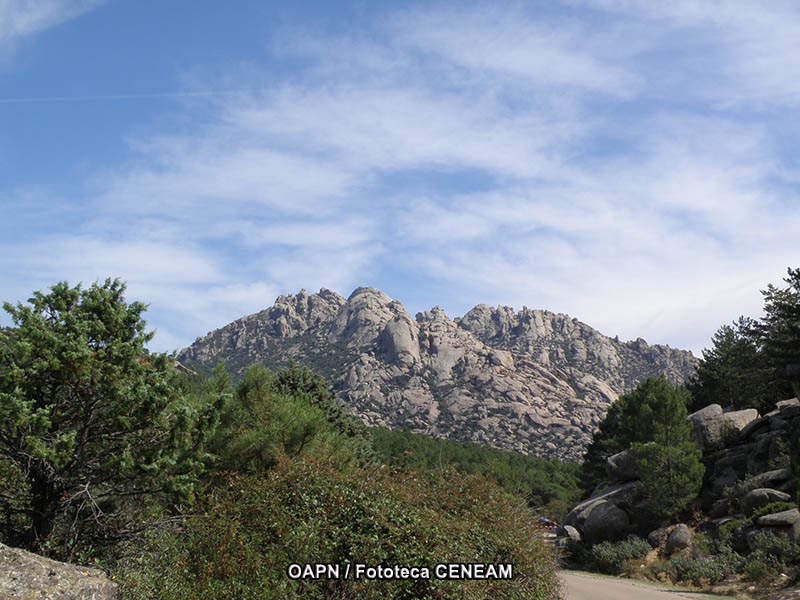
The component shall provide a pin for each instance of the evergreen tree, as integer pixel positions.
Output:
(89, 418)
(652, 420)
(667, 460)
(615, 433)
(780, 330)
(754, 363)
(284, 415)
(734, 372)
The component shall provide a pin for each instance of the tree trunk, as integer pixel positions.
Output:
(44, 506)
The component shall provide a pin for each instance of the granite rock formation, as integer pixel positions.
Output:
(24, 576)
(746, 470)
(532, 381)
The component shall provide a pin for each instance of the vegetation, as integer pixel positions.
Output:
(611, 557)
(317, 510)
(733, 372)
(780, 329)
(191, 487)
(698, 569)
(754, 362)
(90, 422)
(668, 462)
(290, 413)
(652, 420)
(551, 487)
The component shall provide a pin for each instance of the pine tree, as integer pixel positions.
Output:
(734, 372)
(780, 330)
(667, 460)
(88, 417)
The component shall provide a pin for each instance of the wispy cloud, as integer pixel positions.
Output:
(22, 18)
(569, 160)
(736, 52)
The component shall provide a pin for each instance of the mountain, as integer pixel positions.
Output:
(532, 381)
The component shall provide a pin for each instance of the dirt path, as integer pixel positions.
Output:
(585, 586)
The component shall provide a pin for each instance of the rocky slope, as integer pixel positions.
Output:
(531, 381)
(749, 489)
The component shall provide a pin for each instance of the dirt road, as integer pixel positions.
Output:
(583, 586)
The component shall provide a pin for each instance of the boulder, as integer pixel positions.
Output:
(760, 497)
(572, 533)
(752, 429)
(658, 537)
(712, 410)
(619, 495)
(679, 538)
(24, 575)
(795, 532)
(722, 479)
(741, 418)
(789, 408)
(713, 428)
(606, 522)
(777, 479)
(785, 518)
(621, 467)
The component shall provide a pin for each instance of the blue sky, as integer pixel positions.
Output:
(628, 162)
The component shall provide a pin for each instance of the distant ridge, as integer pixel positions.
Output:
(532, 381)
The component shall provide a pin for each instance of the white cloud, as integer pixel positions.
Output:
(22, 18)
(514, 49)
(518, 158)
(743, 52)
(396, 127)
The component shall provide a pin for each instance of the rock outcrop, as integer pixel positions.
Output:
(714, 428)
(741, 451)
(25, 576)
(531, 381)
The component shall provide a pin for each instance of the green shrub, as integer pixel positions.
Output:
(288, 413)
(727, 530)
(314, 510)
(550, 486)
(699, 570)
(611, 556)
(702, 545)
(778, 547)
(770, 509)
(760, 568)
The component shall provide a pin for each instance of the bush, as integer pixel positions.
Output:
(775, 546)
(738, 490)
(311, 510)
(728, 530)
(610, 557)
(700, 571)
(771, 509)
(550, 487)
(760, 568)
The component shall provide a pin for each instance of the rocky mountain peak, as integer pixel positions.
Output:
(363, 317)
(432, 315)
(529, 380)
(294, 314)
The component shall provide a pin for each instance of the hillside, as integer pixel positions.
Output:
(531, 381)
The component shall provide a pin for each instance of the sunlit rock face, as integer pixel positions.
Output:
(531, 380)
